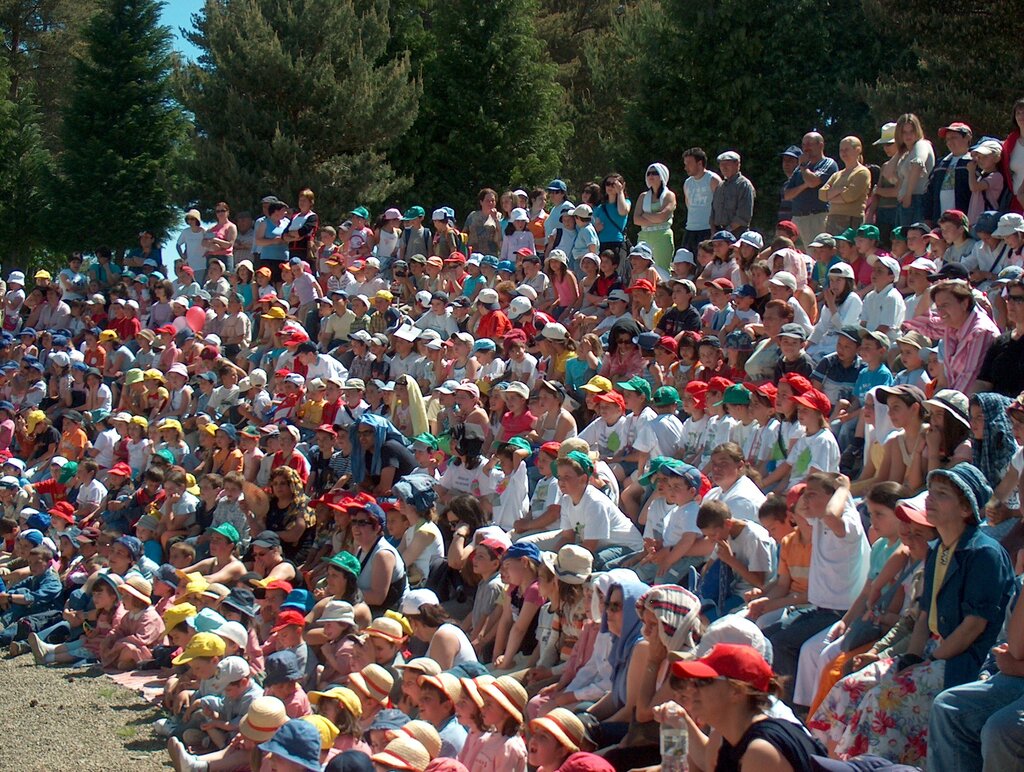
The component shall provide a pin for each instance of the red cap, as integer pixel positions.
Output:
(668, 343)
(722, 284)
(815, 400)
(283, 372)
(279, 584)
(121, 469)
(957, 126)
(796, 382)
(295, 339)
(497, 547)
(64, 510)
(793, 495)
(766, 389)
(167, 329)
(612, 398)
(911, 511)
(699, 391)
(788, 226)
(525, 252)
(514, 335)
(287, 618)
(268, 298)
(456, 257)
(718, 383)
(327, 428)
(188, 269)
(641, 284)
(729, 660)
(551, 448)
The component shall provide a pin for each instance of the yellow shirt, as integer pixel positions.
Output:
(942, 561)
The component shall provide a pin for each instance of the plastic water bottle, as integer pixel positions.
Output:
(674, 747)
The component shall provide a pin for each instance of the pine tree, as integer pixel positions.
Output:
(303, 94)
(122, 131)
(490, 113)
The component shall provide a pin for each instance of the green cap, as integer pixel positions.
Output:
(582, 459)
(666, 395)
(346, 561)
(636, 383)
(360, 211)
(897, 234)
(165, 454)
(69, 470)
(868, 232)
(848, 236)
(736, 394)
(226, 530)
(427, 439)
(655, 465)
(413, 212)
(519, 442)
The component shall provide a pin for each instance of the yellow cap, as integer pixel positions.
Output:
(328, 731)
(275, 313)
(41, 274)
(33, 418)
(153, 375)
(170, 423)
(175, 615)
(348, 699)
(201, 645)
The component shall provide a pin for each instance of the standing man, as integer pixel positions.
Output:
(790, 158)
(949, 186)
(813, 169)
(698, 192)
(560, 204)
(259, 227)
(732, 206)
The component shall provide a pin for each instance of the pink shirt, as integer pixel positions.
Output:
(964, 349)
(497, 752)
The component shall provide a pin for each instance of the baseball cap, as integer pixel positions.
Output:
(957, 127)
(737, 662)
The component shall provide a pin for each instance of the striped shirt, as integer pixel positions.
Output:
(964, 349)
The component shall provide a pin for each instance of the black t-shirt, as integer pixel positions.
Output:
(43, 442)
(790, 739)
(675, 321)
(393, 453)
(761, 303)
(1003, 365)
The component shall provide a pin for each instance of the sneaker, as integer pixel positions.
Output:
(165, 727)
(40, 650)
(16, 649)
(182, 760)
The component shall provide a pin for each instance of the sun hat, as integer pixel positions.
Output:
(424, 665)
(373, 681)
(954, 402)
(387, 629)
(729, 660)
(138, 587)
(447, 683)
(563, 725)
(572, 563)
(403, 753)
(887, 136)
(202, 645)
(340, 612)
(970, 481)
(425, 734)
(508, 693)
(265, 716)
(348, 698)
(299, 742)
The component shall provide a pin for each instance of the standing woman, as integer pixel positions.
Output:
(483, 227)
(388, 237)
(611, 213)
(654, 215)
(846, 191)
(220, 239)
(916, 159)
(1013, 158)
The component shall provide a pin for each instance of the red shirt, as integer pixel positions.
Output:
(296, 461)
(126, 328)
(493, 325)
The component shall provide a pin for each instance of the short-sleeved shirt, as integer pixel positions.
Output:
(868, 379)
(807, 201)
(1003, 365)
(837, 380)
(596, 517)
(819, 450)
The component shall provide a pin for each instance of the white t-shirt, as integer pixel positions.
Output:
(657, 517)
(660, 436)
(743, 498)
(839, 565)
(744, 434)
(605, 439)
(681, 521)
(459, 479)
(595, 517)
(195, 254)
(755, 549)
(105, 444)
(820, 451)
(525, 371)
(513, 497)
(692, 440)
(92, 492)
(886, 307)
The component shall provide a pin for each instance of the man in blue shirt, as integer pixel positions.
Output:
(813, 170)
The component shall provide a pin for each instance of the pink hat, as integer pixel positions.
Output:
(178, 369)
(392, 214)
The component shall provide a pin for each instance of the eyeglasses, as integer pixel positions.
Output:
(220, 210)
(364, 523)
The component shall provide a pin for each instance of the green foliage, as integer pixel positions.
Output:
(957, 62)
(290, 95)
(741, 75)
(122, 131)
(490, 114)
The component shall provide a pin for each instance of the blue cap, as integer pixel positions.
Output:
(793, 150)
(389, 719)
(688, 472)
(484, 344)
(557, 185)
(33, 536)
(5, 405)
(507, 265)
(490, 260)
(40, 521)
(300, 599)
(59, 341)
(297, 741)
(80, 366)
(647, 340)
(724, 236)
(167, 574)
(521, 550)
(157, 275)
(37, 365)
(27, 331)
(417, 490)
(746, 291)
(281, 667)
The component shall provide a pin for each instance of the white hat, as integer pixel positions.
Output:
(572, 564)
(751, 238)
(435, 344)
(1009, 223)
(684, 255)
(519, 306)
(258, 377)
(921, 264)
(339, 611)
(212, 340)
(728, 155)
(519, 215)
(415, 598)
(520, 192)
(488, 297)
(371, 262)
(181, 300)
(784, 279)
(889, 262)
(439, 214)
(16, 277)
(527, 291)
(133, 304)
(362, 336)
(583, 211)
(988, 147)
(554, 331)
(559, 256)
(295, 379)
(236, 634)
(520, 388)
(60, 359)
(842, 269)
(423, 298)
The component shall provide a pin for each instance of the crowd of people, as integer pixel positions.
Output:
(545, 491)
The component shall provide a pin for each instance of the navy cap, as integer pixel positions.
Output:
(987, 222)
(389, 719)
(746, 291)
(647, 340)
(688, 472)
(793, 151)
(724, 236)
(557, 185)
(521, 550)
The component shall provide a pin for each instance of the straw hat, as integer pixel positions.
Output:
(266, 715)
(138, 587)
(386, 628)
(563, 725)
(426, 735)
(448, 684)
(471, 688)
(373, 681)
(403, 753)
(348, 699)
(425, 665)
(508, 693)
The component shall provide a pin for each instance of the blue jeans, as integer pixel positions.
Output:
(908, 215)
(978, 726)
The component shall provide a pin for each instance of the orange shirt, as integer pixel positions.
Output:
(795, 561)
(95, 357)
(72, 444)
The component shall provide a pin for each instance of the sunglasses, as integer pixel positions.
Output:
(364, 523)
